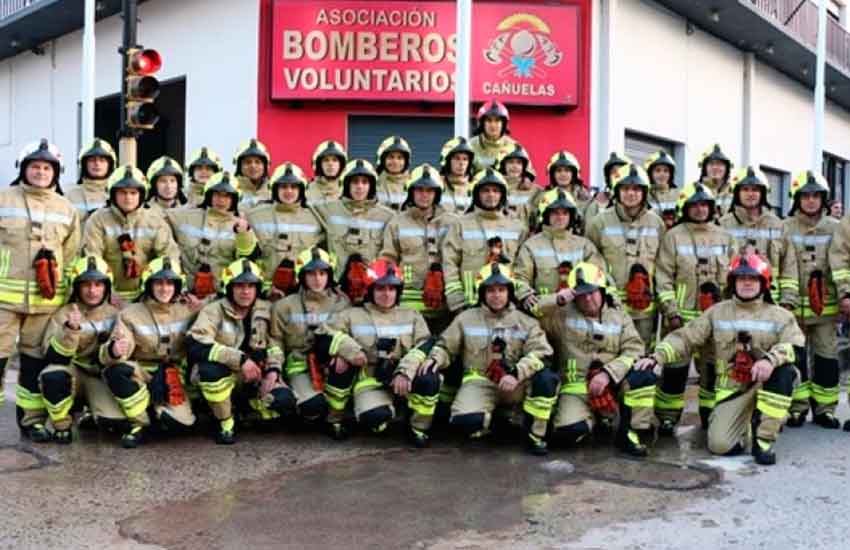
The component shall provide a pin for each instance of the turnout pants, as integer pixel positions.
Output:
(62, 385)
(225, 390)
(819, 371)
(26, 331)
(129, 383)
(373, 402)
(670, 393)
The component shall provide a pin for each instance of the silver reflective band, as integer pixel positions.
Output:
(631, 233)
(469, 234)
(769, 327)
(486, 332)
(518, 200)
(137, 232)
(96, 327)
(753, 233)
(594, 326)
(308, 318)
(573, 256)
(168, 328)
(359, 223)
(38, 216)
(382, 331)
(701, 251)
(207, 233)
(407, 232)
(308, 228)
(810, 240)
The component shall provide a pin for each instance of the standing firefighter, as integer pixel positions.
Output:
(413, 239)
(502, 353)
(71, 345)
(329, 159)
(692, 266)
(392, 163)
(165, 178)
(715, 172)
(39, 239)
(810, 230)
(596, 344)
(661, 170)
(491, 139)
(96, 163)
(565, 173)
(456, 166)
(252, 165)
(611, 171)
(201, 166)
(295, 320)
(523, 194)
(629, 235)
(212, 236)
(754, 343)
(238, 362)
(284, 228)
(126, 234)
(384, 344)
(145, 357)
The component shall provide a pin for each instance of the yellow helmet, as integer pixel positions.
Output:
(567, 160)
(629, 174)
(359, 167)
(163, 269)
(452, 147)
(748, 175)
(326, 149)
(166, 166)
(203, 157)
(615, 160)
(424, 176)
(494, 274)
(660, 158)
(489, 176)
(586, 277)
(808, 182)
(693, 193)
(252, 148)
(241, 271)
(556, 198)
(289, 173)
(315, 259)
(393, 144)
(90, 268)
(127, 177)
(97, 148)
(518, 152)
(714, 152)
(222, 182)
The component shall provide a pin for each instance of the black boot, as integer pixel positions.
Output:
(632, 445)
(132, 438)
(419, 439)
(827, 420)
(536, 445)
(37, 433)
(63, 437)
(667, 428)
(763, 452)
(796, 419)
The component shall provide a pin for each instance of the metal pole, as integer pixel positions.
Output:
(126, 135)
(88, 68)
(820, 90)
(462, 67)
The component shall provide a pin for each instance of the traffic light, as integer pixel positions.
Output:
(142, 88)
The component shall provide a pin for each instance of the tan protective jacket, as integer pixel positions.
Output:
(456, 196)
(354, 227)
(839, 257)
(522, 203)
(391, 191)
(322, 190)
(81, 346)
(195, 194)
(88, 196)
(488, 152)
(284, 231)
(251, 195)
(810, 242)
(722, 195)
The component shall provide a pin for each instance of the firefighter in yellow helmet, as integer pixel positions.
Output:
(329, 159)
(295, 322)
(71, 344)
(715, 171)
(523, 194)
(564, 172)
(144, 358)
(284, 228)
(663, 194)
(201, 166)
(392, 163)
(754, 342)
(95, 163)
(126, 234)
(231, 346)
(385, 345)
(603, 197)
(692, 266)
(456, 167)
(809, 231)
(355, 226)
(39, 240)
(165, 178)
(502, 352)
(213, 235)
(491, 137)
(252, 167)
(628, 235)
(545, 261)
(596, 344)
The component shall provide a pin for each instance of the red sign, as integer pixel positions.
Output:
(405, 51)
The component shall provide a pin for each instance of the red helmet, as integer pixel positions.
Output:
(751, 265)
(385, 272)
(496, 109)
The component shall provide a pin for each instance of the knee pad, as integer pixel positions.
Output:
(119, 378)
(373, 418)
(314, 408)
(571, 433)
(674, 380)
(30, 369)
(56, 386)
(826, 372)
(283, 402)
(640, 378)
(428, 384)
(170, 424)
(211, 372)
(468, 424)
(544, 383)
(781, 380)
(343, 380)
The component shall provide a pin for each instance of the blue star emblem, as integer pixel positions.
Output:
(524, 65)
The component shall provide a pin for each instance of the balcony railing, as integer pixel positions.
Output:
(801, 21)
(8, 8)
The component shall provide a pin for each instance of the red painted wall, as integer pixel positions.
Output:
(292, 130)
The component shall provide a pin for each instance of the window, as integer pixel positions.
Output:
(835, 171)
(779, 182)
(640, 147)
(424, 134)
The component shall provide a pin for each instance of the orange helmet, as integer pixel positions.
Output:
(496, 109)
(751, 265)
(385, 272)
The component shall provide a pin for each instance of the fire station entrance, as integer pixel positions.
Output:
(425, 135)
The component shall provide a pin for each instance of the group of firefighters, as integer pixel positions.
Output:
(468, 294)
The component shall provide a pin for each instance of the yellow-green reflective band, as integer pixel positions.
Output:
(416, 354)
(689, 314)
(295, 366)
(28, 400)
(539, 407)
(245, 243)
(60, 410)
(454, 286)
(772, 404)
(136, 404)
(259, 406)
(823, 395)
(667, 350)
(706, 398)
(59, 348)
(669, 401)
(219, 390)
(666, 296)
(216, 351)
(574, 388)
(408, 274)
(228, 424)
(641, 397)
(336, 341)
(473, 375)
(366, 383)
(681, 291)
(129, 295)
(469, 287)
(803, 392)
(274, 349)
(337, 397)
(422, 404)
(534, 362)
(570, 374)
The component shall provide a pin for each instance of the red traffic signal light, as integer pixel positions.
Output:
(141, 89)
(143, 62)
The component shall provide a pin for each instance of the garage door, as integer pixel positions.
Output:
(425, 135)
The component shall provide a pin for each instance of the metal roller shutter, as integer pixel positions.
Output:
(425, 135)
(639, 147)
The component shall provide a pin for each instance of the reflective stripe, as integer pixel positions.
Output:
(5, 262)
(486, 332)
(167, 328)
(207, 233)
(382, 331)
(573, 256)
(518, 200)
(574, 388)
(539, 407)
(810, 240)
(594, 326)
(423, 405)
(85, 208)
(138, 232)
(824, 395)
(631, 233)
(136, 404)
(218, 390)
(640, 397)
(774, 405)
(59, 411)
(97, 327)
(28, 400)
(394, 198)
(308, 228)
(38, 216)
(754, 233)
(308, 318)
(663, 205)
(739, 325)
(470, 234)
(359, 223)
(406, 232)
(669, 401)
(702, 250)
(60, 349)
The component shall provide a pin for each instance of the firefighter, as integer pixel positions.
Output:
(839, 263)
(329, 159)
(239, 363)
(502, 352)
(96, 163)
(456, 167)
(596, 344)
(355, 227)
(809, 230)
(628, 236)
(252, 165)
(663, 194)
(385, 345)
(285, 227)
(754, 342)
(602, 198)
(213, 235)
(71, 344)
(545, 261)
(754, 226)
(392, 163)
(484, 235)
(565, 173)
(126, 234)
(413, 238)
(144, 358)
(295, 321)
(201, 166)
(39, 239)
(692, 266)
(491, 139)
(523, 194)
(715, 170)
(165, 178)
